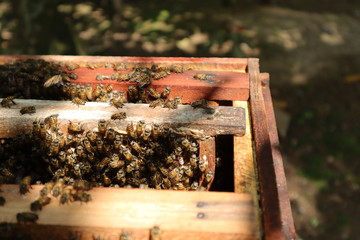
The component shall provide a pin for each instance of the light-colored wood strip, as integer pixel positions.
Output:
(224, 120)
(191, 213)
(245, 174)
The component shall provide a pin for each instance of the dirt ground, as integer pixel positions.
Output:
(311, 50)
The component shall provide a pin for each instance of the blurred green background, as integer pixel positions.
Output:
(310, 48)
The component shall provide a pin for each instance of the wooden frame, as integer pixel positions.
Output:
(258, 178)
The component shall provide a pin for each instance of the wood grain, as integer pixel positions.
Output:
(190, 215)
(224, 120)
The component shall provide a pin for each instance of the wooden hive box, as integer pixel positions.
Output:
(257, 208)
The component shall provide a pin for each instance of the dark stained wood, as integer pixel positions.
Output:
(274, 227)
(224, 120)
(288, 228)
(179, 214)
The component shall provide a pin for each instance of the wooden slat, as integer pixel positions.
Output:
(230, 81)
(179, 214)
(225, 120)
(245, 175)
(207, 149)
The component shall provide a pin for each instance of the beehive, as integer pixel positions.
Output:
(257, 208)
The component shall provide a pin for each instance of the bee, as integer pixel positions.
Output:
(54, 147)
(8, 101)
(130, 130)
(173, 173)
(56, 79)
(193, 147)
(109, 65)
(109, 88)
(101, 77)
(52, 121)
(104, 162)
(166, 92)
(209, 176)
(102, 126)
(82, 93)
(133, 94)
(81, 196)
(99, 144)
(97, 91)
(125, 77)
(179, 186)
(177, 100)
(135, 146)
(157, 103)
(159, 75)
(170, 104)
(127, 154)
(75, 128)
(155, 131)
(120, 176)
(43, 131)
(143, 80)
(46, 189)
(194, 186)
(188, 171)
(28, 110)
(78, 101)
(200, 103)
(25, 185)
(125, 236)
(153, 93)
(146, 134)
(166, 183)
(89, 92)
(204, 76)
(73, 75)
(66, 196)
(72, 66)
(2, 201)
(91, 136)
(92, 66)
(25, 217)
(193, 161)
(58, 188)
(122, 96)
(203, 163)
(118, 116)
(105, 179)
(119, 67)
(139, 127)
(116, 103)
(38, 204)
(177, 69)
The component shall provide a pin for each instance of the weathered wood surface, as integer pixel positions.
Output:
(224, 120)
(179, 214)
(245, 174)
(276, 223)
(230, 82)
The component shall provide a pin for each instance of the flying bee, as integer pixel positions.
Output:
(38, 204)
(27, 110)
(54, 80)
(133, 94)
(203, 163)
(102, 126)
(8, 101)
(81, 196)
(116, 103)
(177, 69)
(73, 75)
(116, 163)
(66, 196)
(75, 128)
(78, 101)
(139, 127)
(25, 185)
(120, 67)
(153, 93)
(170, 104)
(58, 188)
(101, 77)
(166, 92)
(209, 176)
(25, 217)
(118, 116)
(204, 76)
(89, 92)
(159, 75)
(72, 66)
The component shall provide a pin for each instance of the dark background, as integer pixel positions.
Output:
(310, 48)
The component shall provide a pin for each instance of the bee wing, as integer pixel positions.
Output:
(53, 80)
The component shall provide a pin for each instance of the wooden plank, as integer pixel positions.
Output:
(207, 149)
(224, 120)
(287, 221)
(274, 227)
(189, 215)
(245, 174)
(234, 64)
(230, 82)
